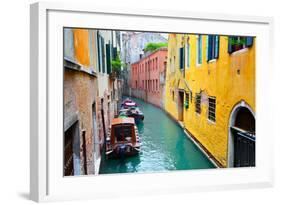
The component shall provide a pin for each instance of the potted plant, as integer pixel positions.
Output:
(116, 65)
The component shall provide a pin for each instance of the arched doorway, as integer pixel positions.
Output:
(241, 140)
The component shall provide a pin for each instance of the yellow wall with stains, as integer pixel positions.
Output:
(230, 78)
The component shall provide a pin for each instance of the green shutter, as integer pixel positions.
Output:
(108, 58)
(102, 54)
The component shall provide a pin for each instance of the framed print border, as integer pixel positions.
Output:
(42, 178)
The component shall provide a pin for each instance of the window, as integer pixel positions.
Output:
(156, 85)
(123, 133)
(186, 103)
(101, 61)
(145, 67)
(188, 55)
(212, 47)
(199, 50)
(198, 104)
(145, 84)
(181, 58)
(236, 43)
(102, 55)
(173, 95)
(212, 109)
(108, 58)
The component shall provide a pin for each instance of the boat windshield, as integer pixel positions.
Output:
(123, 133)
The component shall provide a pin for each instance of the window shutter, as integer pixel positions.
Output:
(103, 55)
(188, 55)
(210, 47)
(230, 50)
(181, 58)
(114, 52)
(108, 59)
(249, 41)
(99, 60)
(207, 48)
(200, 49)
(217, 46)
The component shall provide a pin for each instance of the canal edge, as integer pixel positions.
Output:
(208, 155)
(201, 148)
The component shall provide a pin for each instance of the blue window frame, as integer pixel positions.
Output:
(199, 50)
(188, 55)
(212, 47)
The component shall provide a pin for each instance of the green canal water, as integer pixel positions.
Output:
(164, 147)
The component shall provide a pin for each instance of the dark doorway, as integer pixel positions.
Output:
(180, 105)
(244, 138)
(70, 136)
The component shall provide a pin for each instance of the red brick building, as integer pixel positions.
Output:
(148, 77)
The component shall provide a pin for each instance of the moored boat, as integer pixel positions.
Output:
(128, 104)
(132, 112)
(123, 139)
(136, 114)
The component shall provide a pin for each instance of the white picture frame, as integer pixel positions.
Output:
(46, 179)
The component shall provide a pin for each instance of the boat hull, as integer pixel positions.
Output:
(122, 151)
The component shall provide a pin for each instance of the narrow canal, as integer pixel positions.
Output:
(164, 147)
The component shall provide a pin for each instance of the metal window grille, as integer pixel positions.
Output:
(212, 109)
(198, 104)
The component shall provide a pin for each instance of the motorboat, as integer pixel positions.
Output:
(128, 103)
(123, 139)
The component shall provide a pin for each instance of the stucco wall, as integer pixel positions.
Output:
(145, 77)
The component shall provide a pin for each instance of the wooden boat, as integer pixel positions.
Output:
(123, 139)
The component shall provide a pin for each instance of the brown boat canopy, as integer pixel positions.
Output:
(123, 130)
(127, 120)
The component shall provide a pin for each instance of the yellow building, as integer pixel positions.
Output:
(210, 89)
